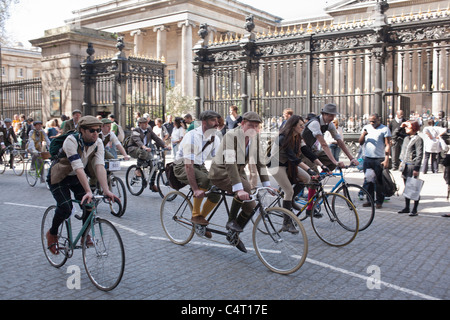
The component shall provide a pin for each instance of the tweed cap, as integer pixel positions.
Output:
(208, 114)
(330, 109)
(7, 120)
(251, 116)
(106, 121)
(89, 121)
(76, 111)
(143, 120)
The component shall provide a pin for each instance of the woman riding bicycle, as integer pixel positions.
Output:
(286, 166)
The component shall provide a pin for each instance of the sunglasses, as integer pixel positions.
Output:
(95, 130)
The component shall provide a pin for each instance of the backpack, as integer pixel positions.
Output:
(126, 143)
(57, 143)
(388, 183)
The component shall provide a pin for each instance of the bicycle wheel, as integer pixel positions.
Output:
(338, 224)
(163, 184)
(104, 261)
(135, 180)
(31, 174)
(359, 196)
(3, 165)
(117, 187)
(176, 213)
(56, 260)
(18, 164)
(280, 251)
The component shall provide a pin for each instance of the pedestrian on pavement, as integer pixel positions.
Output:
(398, 141)
(432, 145)
(376, 138)
(233, 119)
(410, 157)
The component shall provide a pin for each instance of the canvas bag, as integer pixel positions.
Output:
(413, 186)
(171, 178)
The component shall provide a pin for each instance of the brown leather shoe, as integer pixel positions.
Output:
(52, 243)
(89, 242)
(154, 188)
(200, 220)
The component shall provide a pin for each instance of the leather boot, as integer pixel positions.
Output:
(297, 189)
(406, 208)
(288, 225)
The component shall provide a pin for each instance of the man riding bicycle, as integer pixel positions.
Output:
(7, 138)
(35, 146)
(238, 148)
(196, 147)
(140, 147)
(67, 174)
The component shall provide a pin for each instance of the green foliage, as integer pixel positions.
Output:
(177, 104)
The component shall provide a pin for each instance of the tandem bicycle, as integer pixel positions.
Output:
(280, 251)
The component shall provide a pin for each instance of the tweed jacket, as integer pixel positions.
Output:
(69, 125)
(7, 136)
(138, 137)
(231, 158)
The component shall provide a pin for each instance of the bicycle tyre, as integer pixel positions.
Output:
(339, 224)
(365, 214)
(118, 188)
(163, 184)
(175, 214)
(3, 166)
(135, 184)
(106, 255)
(280, 251)
(18, 164)
(30, 175)
(47, 221)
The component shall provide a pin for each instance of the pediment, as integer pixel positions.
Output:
(346, 5)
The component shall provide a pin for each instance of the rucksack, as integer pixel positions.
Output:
(389, 187)
(57, 143)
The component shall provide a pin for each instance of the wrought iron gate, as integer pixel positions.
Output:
(364, 67)
(123, 86)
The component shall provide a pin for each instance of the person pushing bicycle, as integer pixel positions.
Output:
(67, 174)
(239, 147)
(35, 146)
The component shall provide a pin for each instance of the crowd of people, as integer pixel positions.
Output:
(302, 148)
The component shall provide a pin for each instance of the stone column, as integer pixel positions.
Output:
(187, 76)
(439, 73)
(138, 40)
(161, 40)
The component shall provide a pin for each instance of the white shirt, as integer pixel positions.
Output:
(192, 144)
(113, 140)
(432, 145)
(177, 133)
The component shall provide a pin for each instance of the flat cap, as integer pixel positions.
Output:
(89, 121)
(77, 111)
(143, 120)
(251, 116)
(7, 120)
(105, 121)
(208, 114)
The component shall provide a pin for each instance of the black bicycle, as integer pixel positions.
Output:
(150, 174)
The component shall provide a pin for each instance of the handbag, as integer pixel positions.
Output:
(413, 186)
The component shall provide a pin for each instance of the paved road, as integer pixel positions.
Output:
(409, 255)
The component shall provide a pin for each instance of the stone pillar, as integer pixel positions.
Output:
(187, 75)
(138, 41)
(63, 49)
(161, 40)
(438, 79)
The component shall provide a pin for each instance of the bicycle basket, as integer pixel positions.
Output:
(46, 155)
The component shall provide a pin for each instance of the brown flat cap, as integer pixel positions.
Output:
(89, 121)
(143, 120)
(251, 116)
